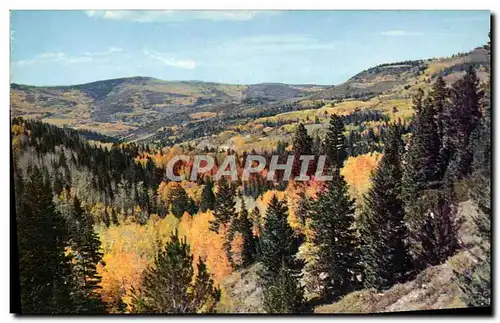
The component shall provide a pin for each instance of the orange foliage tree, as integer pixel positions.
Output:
(206, 244)
(357, 172)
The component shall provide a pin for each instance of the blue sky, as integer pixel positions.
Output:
(245, 47)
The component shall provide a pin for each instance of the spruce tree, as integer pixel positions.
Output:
(243, 226)
(460, 121)
(440, 101)
(480, 188)
(204, 296)
(335, 238)
(284, 294)
(335, 143)
(302, 145)
(385, 250)
(168, 285)
(224, 208)
(44, 272)
(85, 249)
(422, 162)
(438, 235)
(277, 243)
(180, 201)
(207, 197)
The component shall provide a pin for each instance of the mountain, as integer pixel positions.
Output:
(398, 76)
(137, 107)
(118, 106)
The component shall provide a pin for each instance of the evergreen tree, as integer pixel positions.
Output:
(203, 294)
(192, 208)
(284, 294)
(438, 234)
(180, 201)
(169, 287)
(440, 101)
(302, 145)
(44, 271)
(460, 121)
(335, 239)
(85, 249)
(423, 164)
(249, 241)
(480, 190)
(335, 143)
(384, 235)
(224, 208)
(277, 243)
(207, 197)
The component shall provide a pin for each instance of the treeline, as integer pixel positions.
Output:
(110, 177)
(238, 115)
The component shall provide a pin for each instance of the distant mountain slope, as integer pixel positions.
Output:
(392, 76)
(128, 103)
(137, 107)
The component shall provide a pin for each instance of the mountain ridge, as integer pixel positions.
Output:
(122, 106)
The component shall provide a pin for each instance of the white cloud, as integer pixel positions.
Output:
(399, 33)
(177, 15)
(51, 57)
(170, 61)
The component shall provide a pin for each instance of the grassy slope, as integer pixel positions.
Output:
(119, 106)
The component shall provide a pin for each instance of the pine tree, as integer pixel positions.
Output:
(85, 249)
(423, 163)
(203, 294)
(180, 201)
(168, 285)
(302, 145)
(207, 197)
(480, 190)
(460, 121)
(284, 294)
(335, 143)
(438, 234)
(277, 243)
(337, 256)
(384, 235)
(440, 101)
(249, 241)
(224, 208)
(44, 271)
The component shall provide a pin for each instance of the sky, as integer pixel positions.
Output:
(240, 47)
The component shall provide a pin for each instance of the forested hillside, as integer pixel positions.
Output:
(100, 229)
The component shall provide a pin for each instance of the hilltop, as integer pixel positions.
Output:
(119, 106)
(138, 107)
